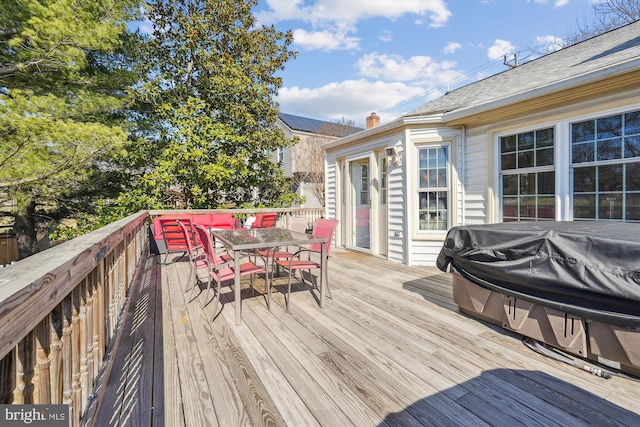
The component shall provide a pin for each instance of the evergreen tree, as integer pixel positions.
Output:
(63, 75)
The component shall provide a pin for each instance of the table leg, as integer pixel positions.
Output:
(236, 284)
(323, 271)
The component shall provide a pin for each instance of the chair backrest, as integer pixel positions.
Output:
(173, 234)
(188, 237)
(324, 228)
(298, 224)
(265, 220)
(207, 244)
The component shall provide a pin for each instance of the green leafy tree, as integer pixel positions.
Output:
(212, 82)
(63, 76)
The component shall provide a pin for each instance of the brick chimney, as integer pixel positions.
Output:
(373, 120)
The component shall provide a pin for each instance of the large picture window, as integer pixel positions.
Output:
(528, 176)
(433, 192)
(605, 157)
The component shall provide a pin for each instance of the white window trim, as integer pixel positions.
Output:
(437, 235)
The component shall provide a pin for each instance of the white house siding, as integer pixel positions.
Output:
(476, 176)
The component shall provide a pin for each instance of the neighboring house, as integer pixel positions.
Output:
(303, 163)
(556, 138)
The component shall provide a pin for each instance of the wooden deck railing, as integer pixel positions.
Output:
(60, 310)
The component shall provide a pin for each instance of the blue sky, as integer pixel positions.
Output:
(391, 56)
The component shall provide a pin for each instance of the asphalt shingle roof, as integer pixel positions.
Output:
(589, 56)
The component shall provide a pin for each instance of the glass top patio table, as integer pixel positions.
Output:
(267, 238)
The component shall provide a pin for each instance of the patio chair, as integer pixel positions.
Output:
(197, 256)
(322, 227)
(174, 239)
(265, 220)
(221, 270)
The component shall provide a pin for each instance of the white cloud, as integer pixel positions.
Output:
(451, 47)
(350, 99)
(324, 40)
(341, 17)
(422, 70)
(556, 3)
(385, 36)
(499, 49)
(332, 11)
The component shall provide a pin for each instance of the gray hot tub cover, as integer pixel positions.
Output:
(589, 269)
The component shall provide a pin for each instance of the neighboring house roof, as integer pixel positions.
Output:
(306, 124)
(592, 56)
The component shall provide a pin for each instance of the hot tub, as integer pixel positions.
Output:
(572, 285)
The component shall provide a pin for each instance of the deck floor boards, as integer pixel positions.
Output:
(389, 348)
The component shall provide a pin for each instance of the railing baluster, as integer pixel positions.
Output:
(67, 356)
(8, 374)
(43, 344)
(24, 367)
(57, 370)
(82, 351)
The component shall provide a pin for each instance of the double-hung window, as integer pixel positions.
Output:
(527, 175)
(433, 188)
(605, 160)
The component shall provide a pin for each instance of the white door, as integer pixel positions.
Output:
(360, 197)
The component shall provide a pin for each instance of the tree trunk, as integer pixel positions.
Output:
(25, 228)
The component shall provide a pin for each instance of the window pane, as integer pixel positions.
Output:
(583, 131)
(510, 185)
(610, 149)
(584, 180)
(609, 126)
(582, 153)
(442, 178)
(527, 207)
(632, 123)
(584, 206)
(632, 211)
(525, 159)
(510, 207)
(508, 161)
(544, 138)
(423, 158)
(610, 206)
(610, 178)
(508, 144)
(546, 207)
(528, 183)
(544, 157)
(433, 178)
(632, 146)
(546, 183)
(632, 182)
(442, 157)
(525, 141)
(432, 159)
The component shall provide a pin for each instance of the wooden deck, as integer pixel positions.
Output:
(388, 349)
